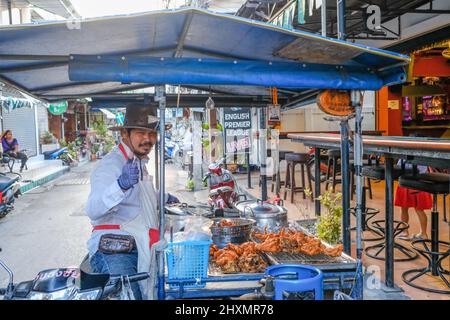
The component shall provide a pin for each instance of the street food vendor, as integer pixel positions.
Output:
(123, 204)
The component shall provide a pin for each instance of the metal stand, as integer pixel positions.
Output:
(249, 173)
(345, 150)
(375, 250)
(345, 174)
(389, 213)
(160, 96)
(262, 139)
(317, 181)
(357, 153)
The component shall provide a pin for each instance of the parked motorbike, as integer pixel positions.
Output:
(173, 152)
(68, 284)
(323, 165)
(60, 153)
(223, 188)
(9, 191)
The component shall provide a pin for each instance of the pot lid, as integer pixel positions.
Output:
(183, 209)
(259, 207)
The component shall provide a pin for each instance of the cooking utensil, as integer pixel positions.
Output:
(265, 214)
(236, 234)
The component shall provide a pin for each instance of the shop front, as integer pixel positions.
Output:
(421, 106)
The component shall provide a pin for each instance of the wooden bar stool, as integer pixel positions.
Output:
(292, 160)
(334, 156)
(277, 183)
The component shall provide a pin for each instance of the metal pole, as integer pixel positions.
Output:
(10, 12)
(160, 94)
(157, 162)
(358, 155)
(358, 146)
(249, 173)
(324, 17)
(85, 117)
(263, 138)
(224, 141)
(389, 263)
(434, 235)
(341, 19)
(345, 148)
(317, 179)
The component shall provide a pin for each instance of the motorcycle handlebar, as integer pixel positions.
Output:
(133, 278)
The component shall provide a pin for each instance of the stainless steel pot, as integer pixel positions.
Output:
(265, 214)
(239, 233)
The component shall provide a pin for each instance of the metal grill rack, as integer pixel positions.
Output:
(321, 261)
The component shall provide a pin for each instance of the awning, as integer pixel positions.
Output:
(186, 46)
(10, 103)
(108, 114)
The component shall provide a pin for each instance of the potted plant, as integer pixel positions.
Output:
(48, 142)
(94, 150)
(329, 227)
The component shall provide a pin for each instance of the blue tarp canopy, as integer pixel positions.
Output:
(185, 47)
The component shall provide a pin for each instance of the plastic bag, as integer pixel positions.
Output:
(196, 229)
(126, 293)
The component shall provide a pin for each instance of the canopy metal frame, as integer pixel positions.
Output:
(277, 60)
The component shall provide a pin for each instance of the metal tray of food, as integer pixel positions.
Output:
(321, 261)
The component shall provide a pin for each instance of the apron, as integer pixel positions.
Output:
(145, 230)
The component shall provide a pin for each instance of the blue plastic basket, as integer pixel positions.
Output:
(187, 263)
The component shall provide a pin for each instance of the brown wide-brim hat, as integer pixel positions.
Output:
(140, 116)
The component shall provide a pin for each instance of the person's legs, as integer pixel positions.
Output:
(23, 157)
(423, 223)
(404, 218)
(117, 264)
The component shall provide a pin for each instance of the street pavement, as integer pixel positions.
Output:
(48, 227)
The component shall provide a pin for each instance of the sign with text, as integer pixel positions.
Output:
(237, 125)
(58, 108)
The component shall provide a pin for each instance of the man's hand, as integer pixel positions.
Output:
(129, 176)
(172, 199)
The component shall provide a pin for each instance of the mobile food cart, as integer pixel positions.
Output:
(200, 49)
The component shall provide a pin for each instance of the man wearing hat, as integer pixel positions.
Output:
(123, 204)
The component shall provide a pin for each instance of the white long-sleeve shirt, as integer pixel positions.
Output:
(108, 204)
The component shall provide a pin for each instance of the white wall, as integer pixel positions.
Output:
(315, 117)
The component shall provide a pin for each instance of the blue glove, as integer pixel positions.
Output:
(129, 176)
(172, 199)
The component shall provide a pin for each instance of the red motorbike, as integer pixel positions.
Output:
(323, 165)
(223, 188)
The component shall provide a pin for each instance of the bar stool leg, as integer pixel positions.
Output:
(308, 175)
(369, 185)
(278, 182)
(334, 173)
(434, 235)
(302, 167)
(327, 181)
(287, 180)
(292, 181)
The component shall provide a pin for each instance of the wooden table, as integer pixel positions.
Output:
(285, 134)
(426, 151)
